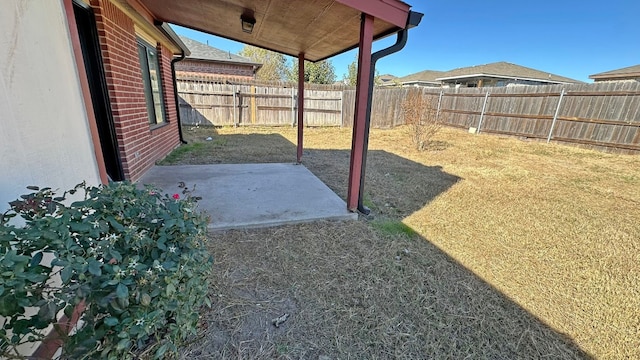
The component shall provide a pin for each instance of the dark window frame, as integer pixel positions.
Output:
(154, 100)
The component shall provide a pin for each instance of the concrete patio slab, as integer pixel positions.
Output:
(238, 196)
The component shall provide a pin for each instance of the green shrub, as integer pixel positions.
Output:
(136, 258)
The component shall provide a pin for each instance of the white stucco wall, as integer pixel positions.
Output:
(44, 134)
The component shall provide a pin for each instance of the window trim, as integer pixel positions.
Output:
(149, 94)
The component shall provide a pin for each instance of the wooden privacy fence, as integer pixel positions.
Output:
(601, 115)
(210, 102)
(386, 108)
(605, 116)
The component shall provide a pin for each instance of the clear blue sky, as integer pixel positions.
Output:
(566, 37)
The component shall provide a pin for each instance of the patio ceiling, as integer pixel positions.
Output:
(317, 28)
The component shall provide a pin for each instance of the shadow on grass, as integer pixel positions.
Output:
(230, 149)
(359, 289)
(350, 291)
(394, 186)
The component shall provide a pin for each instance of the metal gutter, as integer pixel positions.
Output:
(414, 82)
(612, 76)
(164, 27)
(163, 35)
(168, 31)
(175, 94)
(413, 20)
(258, 65)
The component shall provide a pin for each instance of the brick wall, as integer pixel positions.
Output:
(139, 145)
(194, 67)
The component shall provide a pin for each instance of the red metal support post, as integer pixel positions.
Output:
(300, 104)
(362, 92)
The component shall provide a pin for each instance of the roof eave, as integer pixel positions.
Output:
(168, 31)
(394, 12)
(420, 81)
(355, 46)
(506, 77)
(225, 61)
(152, 25)
(391, 16)
(612, 76)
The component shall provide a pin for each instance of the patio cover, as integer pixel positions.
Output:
(306, 29)
(317, 28)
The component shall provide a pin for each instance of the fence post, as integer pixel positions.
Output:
(233, 107)
(253, 104)
(341, 114)
(484, 106)
(555, 116)
(439, 102)
(293, 107)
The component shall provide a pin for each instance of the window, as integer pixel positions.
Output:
(152, 81)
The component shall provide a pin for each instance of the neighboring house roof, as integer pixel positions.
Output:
(200, 51)
(386, 77)
(623, 73)
(426, 76)
(501, 69)
(505, 70)
(386, 80)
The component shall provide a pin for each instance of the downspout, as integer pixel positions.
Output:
(164, 27)
(412, 21)
(175, 93)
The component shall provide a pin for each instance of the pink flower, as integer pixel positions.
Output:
(176, 196)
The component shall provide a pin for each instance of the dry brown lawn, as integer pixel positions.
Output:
(481, 247)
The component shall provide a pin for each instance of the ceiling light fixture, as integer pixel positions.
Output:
(248, 22)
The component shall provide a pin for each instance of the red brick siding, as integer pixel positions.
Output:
(140, 146)
(194, 67)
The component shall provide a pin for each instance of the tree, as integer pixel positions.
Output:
(351, 78)
(321, 72)
(274, 65)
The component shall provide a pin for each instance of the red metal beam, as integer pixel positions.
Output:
(300, 104)
(360, 114)
(392, 11)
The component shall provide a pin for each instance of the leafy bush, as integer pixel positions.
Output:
(137, 259)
